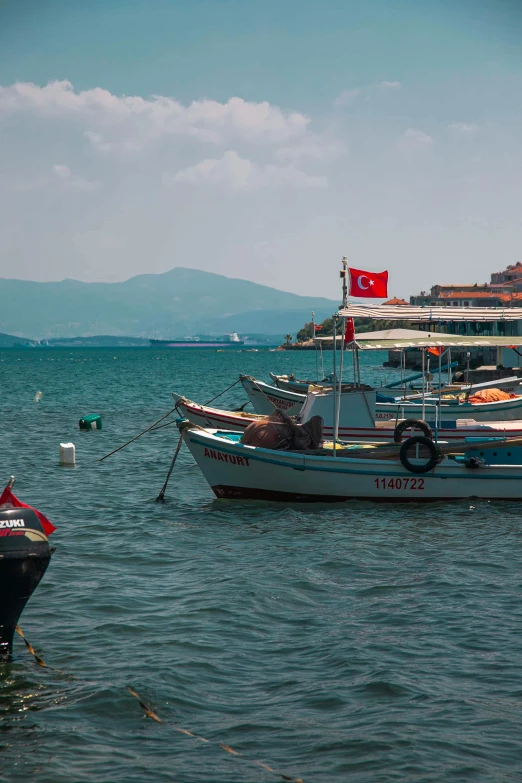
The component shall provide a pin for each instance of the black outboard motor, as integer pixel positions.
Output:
(24, 556)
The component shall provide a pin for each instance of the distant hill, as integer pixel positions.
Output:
(10, 341)
(178, 303)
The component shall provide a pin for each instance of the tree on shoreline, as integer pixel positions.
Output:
(361, 325)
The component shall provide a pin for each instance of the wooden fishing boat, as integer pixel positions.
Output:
(489, 469)
(357, 419)
(265, 398)
(291, 383)
(237, 471)
(511, 384)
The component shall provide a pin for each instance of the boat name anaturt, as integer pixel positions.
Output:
(232, 458)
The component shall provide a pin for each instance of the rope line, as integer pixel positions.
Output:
(161, 495)
(30, 648)
(151, 714)
(223, 392)
(138, 436)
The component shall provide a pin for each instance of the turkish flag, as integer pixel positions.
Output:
(373, 285)
(436, 351)
(8, 496)
(349, 332)
(318, 328)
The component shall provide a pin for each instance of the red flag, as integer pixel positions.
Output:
(373, 285)
(318, 327)
(8, 496)
(349, 332)
(436, 351)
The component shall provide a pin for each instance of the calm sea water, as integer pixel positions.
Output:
(336, 643)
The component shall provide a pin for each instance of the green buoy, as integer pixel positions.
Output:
(91, 422)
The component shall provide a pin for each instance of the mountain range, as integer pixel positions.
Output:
(177, 303)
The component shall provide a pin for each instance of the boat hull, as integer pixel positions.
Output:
(265, 398)
(236, 471)
(502, 410)
(213, 418)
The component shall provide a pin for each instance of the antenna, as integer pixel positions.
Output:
(343, 274)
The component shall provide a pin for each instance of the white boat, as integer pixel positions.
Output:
(237, 471)
(356, 419)
(265, 398)
(511, 384)
(461, 469)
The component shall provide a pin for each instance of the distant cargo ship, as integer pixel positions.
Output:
(228, 341)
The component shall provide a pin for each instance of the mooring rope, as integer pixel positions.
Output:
(161, 496)
(249, 377)
(138, 436)
(152, 715)
(222, 392)
(30, 648)
(149, 712)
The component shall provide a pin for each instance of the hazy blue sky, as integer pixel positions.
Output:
(261, 140)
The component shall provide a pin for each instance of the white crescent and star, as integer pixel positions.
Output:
(360, 283)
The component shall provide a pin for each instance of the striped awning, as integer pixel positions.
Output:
(431, 314)
(439, 340)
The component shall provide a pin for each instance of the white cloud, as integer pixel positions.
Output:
(131, 122)
(65, 175)
(231, 170)
(347, 97)
(317, 150)
(242, 174)
(390, 85)
(412, 140)
(61, 171)
(96, 141)
(465, 128)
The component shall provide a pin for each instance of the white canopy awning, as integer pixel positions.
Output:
(387, 339)
(430, 314)
(434, 340)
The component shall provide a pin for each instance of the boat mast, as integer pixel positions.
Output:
(338, 383)
(316, 348)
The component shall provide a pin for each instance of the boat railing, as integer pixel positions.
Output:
(401, 412)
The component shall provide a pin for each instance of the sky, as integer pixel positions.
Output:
(261, 140)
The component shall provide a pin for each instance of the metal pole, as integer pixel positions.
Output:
(339, 386)
(334, 379)
(315, 344)
(358, 364)
(423, 354)
(438, 423)
(344, 274)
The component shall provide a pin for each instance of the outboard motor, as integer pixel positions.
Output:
(24, 556)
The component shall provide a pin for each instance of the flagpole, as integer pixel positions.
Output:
(315, 346)
(334, 362)
(344, 275)
(340, 384)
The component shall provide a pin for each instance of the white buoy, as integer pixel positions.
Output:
(67, 454)
(38, 396)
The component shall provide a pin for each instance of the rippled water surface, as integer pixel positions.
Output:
(336, 643)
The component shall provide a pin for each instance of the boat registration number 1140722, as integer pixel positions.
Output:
(399, 483)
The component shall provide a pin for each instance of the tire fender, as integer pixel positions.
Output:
(416, 424)
(434, 459)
